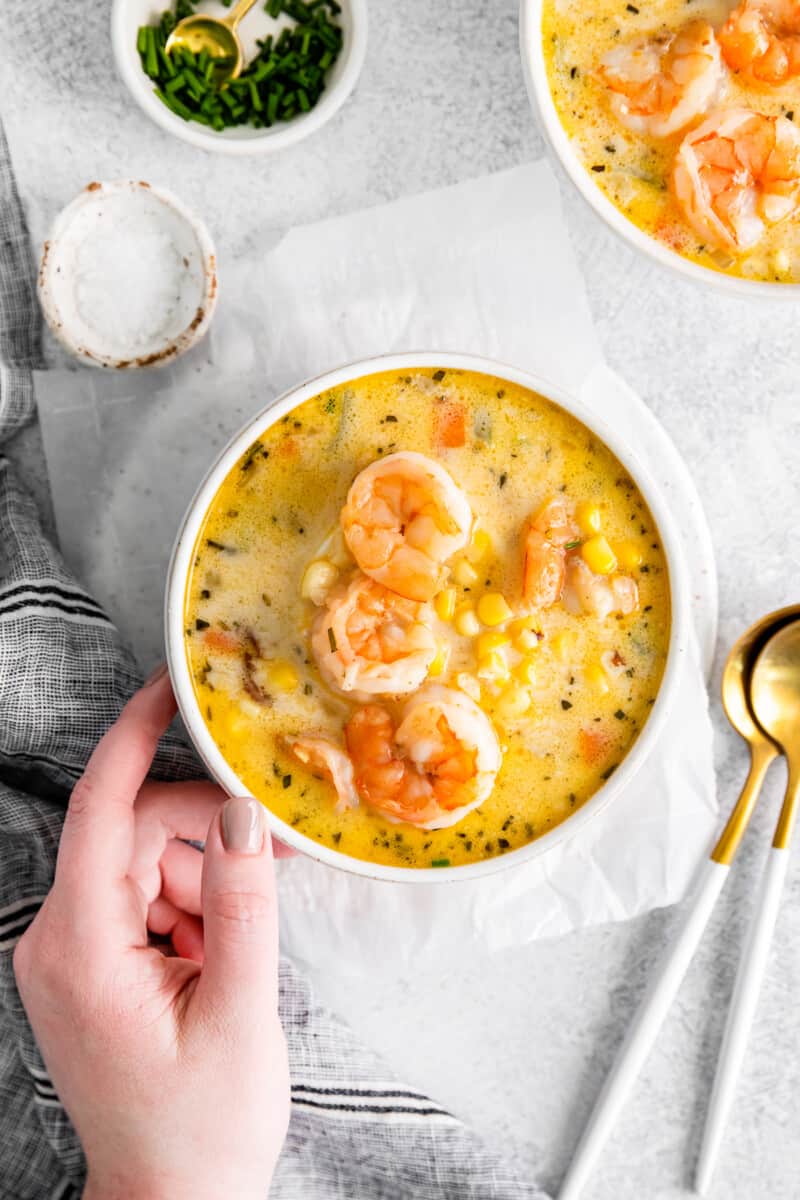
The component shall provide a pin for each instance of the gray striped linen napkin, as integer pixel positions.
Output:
(64, 675)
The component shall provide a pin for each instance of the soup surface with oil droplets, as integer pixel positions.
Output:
(556, 687)
(587, 60)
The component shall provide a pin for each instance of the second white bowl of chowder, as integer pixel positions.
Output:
(679, 133)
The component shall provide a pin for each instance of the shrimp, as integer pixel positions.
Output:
(543, 568)
(598, 595)
(761, 40)
(403, 519)
(438, 764)
(322, 755)
(371, 641)
(737, 173)
(660, 84)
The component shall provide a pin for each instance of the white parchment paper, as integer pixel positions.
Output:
(483, 267)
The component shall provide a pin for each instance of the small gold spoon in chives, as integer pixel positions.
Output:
(775, 701)
(217, 36)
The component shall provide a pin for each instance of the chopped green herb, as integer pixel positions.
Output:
(287, 781)
(332, 640)
(286, 76)
(573, 545)
(201, 624)
(440, 862)
(565, 704)
(438, 376)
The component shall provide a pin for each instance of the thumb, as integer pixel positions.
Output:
(240, 912)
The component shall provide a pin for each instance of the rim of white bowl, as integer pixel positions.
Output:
(257, 141)
(183, 341)
(540, 96)
(180, 564)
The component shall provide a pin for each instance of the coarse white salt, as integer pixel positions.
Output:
(128, 276)
(128, 280)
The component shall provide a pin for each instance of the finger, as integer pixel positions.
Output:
(165, 811)
(181, 873)
(281, 850)
(240, 916)
(97, 840)
(185, 931)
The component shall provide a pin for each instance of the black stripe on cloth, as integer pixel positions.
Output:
(343, 1091)
(10, 934)
(44, 1090)
(66, 1190)
(75, 610)
(44, 758)
(57, 589)
(377, 1109)
(18, 911)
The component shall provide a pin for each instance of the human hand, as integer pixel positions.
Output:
(173, 1070)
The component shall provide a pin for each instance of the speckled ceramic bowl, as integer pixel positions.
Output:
(196, 297)
(181, 564)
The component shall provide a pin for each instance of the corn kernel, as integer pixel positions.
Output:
(598, 556)
(629, 555)
(439, 661)
(514, 702)
(283, 675)
(467, 623)
(481, 541)
(529, 623)
(563, 644)
(464, 573)
(491, 641)
(493, 608)
(589, 517)
(525, 671)
(318, 579)
(469, 685)
(596, 677)
(526, 641)
(493, 666)
(781, 262)
(445, 604)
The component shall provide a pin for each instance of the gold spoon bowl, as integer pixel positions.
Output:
(216, 36)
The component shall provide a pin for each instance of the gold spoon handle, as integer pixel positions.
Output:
(761, 755)
(239, 10)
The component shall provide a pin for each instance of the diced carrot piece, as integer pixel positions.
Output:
(450, 421)
(222, 642)
(593, 744)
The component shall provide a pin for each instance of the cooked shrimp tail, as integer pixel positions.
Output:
(404, 518)
(329, 761)
(659, 85)
(369, 641)
(433, 768)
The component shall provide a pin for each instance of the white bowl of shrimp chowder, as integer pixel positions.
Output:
(631, 177)
(538, 696)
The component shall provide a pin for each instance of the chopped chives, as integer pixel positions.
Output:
(286, 76)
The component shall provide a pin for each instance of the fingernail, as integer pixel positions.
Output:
(243, 826)
(155, 675)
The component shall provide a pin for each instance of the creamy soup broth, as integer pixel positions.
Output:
(589, 684)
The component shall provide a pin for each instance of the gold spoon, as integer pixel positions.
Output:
(775, 700)
(674, 963)
(217, 36)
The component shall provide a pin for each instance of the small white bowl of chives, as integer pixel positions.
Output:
(302, 60)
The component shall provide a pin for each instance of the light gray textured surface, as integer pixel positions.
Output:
(517, 1045)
